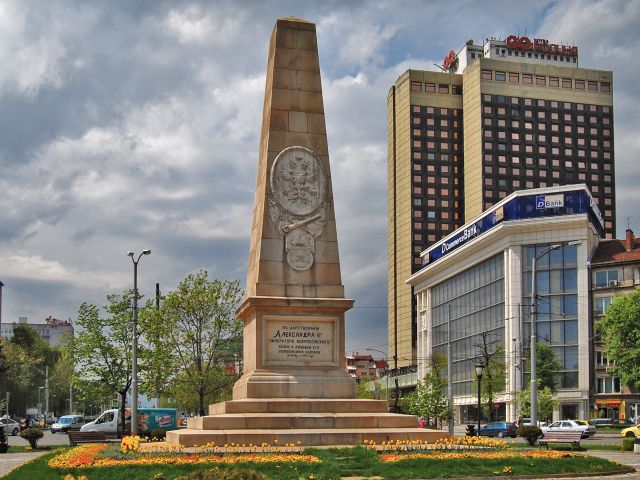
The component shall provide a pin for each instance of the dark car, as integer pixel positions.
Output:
(499, 429)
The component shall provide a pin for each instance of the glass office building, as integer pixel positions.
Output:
(474, 292)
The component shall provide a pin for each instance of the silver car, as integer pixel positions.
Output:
(571, 426)
(10, 426)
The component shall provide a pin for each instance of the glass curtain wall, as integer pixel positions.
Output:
(473, 301)
(557, 320)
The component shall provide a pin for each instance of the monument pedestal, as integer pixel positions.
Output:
(293, 348)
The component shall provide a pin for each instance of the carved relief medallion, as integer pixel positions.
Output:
(297, 205)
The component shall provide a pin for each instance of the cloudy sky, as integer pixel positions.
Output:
(127, 125)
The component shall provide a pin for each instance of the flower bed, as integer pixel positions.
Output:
(93, 455)
(497, 455)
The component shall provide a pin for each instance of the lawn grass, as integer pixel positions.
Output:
(567, 448)
(336, 463)
(26, 448)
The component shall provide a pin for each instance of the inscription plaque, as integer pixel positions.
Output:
(301, 341)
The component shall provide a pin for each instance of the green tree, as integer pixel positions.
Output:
(101, 349)
(546, 402)
(547, 366)
(495, 371)
(30, 356)
(620, 328)
(197, 325)
(429, 399)
(362, 390)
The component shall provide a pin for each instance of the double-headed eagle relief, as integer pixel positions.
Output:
(297, 205)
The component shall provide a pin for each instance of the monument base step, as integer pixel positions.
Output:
(236, 421)
(299, 405)
(307, 437)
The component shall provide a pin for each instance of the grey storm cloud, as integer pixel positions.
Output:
(130, 125)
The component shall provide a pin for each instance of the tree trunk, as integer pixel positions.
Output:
(201, 403)
(123, 396)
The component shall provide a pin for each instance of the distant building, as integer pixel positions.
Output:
(52, 331)
(363, 367)
(615, 270)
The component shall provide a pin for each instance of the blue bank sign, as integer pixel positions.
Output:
(550, 201)
(520, 208)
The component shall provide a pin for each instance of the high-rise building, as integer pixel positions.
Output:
(505, 116)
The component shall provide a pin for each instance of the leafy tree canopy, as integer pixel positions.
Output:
(620, 328)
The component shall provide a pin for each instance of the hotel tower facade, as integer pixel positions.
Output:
(501, 117)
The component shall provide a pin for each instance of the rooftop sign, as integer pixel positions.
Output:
(540, 45)
(519, 207)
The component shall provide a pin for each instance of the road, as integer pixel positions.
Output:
(597, 439)
(459, 430)
(49, 439)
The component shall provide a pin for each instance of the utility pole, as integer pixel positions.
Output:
(1, 285)
(46, 394)
(70, 399)
(449, 374)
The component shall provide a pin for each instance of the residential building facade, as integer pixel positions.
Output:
(615, 270)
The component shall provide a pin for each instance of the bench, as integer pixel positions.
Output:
(89, 437)
(561, 437)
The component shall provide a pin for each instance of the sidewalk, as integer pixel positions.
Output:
(626, 458)
(9, 461)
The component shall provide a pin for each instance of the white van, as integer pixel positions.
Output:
(149, 419)
(107, 422)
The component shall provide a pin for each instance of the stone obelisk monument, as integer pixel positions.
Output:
(295, 387)
(294, 304)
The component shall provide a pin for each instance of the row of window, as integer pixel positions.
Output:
(492, 111)
(540, 103)
(489, 147)
(516, 126)
(543, 138)
(544, 80)
(443, 88)
(534, 167)
(540, 56)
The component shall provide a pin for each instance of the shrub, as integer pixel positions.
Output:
(529, 433)
(627, 444)
(32, 436)
(223, 474)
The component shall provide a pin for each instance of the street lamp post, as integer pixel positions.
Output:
(534, 314)
(479, 373)
(39, 402)
(134, 341)
(386, 371)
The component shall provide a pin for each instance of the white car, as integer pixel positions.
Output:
(527, 422)
(571, 426)
(11, 427)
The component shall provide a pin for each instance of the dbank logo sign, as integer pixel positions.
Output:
(549, 201)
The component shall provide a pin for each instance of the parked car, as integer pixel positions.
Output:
(631, 431)
(571, 426)
(600, 422)
(10, 426)
(527, 422)
(67, 423)
(499, 429)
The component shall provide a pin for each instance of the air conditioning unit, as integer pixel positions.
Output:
(613, 283)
